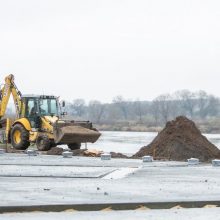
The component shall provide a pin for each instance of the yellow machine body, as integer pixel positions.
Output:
(38, 120)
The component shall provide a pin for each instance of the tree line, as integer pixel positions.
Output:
(195, 105)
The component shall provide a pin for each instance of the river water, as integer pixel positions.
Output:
(130, 142)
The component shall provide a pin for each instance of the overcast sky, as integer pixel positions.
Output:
(98, 49)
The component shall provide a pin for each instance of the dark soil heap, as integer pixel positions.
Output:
(55, 151)
(117, 155)
(180, 140)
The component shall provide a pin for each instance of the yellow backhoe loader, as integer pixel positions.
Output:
(39, 120)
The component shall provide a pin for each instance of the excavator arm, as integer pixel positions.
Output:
(9, 88)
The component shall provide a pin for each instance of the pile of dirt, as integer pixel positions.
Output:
(84, 152)
(118, 155)
(78, 152)
(179, 141)
(55, 151)
(95, 153)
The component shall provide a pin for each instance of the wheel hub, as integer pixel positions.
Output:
(17, 137)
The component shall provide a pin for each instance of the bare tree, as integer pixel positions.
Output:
(78, 106)
(164, 106)
(138, 110)
(96, 110)
(197, 105)
(203, 103)
(122, 104)
(187, 101)
(213, 108)
(155, 111)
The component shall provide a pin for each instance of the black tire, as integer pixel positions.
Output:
(43, 143)
(52, 144)
(21, 142)
(74, 146)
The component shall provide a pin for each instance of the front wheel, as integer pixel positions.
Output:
(74, 146)
(20, 137)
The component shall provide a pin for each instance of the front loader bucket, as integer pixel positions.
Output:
(75, 134)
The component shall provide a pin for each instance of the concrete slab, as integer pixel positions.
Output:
(53, 171)
(154, 182)
(50, 160)
(172, 214)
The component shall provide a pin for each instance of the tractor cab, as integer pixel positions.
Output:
(35, 107)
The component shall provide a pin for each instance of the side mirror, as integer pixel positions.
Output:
(63, 104)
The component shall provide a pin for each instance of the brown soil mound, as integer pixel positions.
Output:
(55, 151)
(117, 155)
(180, 140)
(79, 152)
(84, 153)
(95, 153)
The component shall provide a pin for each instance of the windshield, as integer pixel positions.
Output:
(48, 107)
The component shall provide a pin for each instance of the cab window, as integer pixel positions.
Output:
(31, 108)
(53, 107)
(44, 107)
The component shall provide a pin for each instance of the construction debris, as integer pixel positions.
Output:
(93, 153)
(55, 151)
(78, 152)
(87, 152)
(84, 152)
(178, 141)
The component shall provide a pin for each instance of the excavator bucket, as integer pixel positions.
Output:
(75, 133)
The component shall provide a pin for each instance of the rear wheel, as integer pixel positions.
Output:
(74, 146)
(43, 143)
(20, 137)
